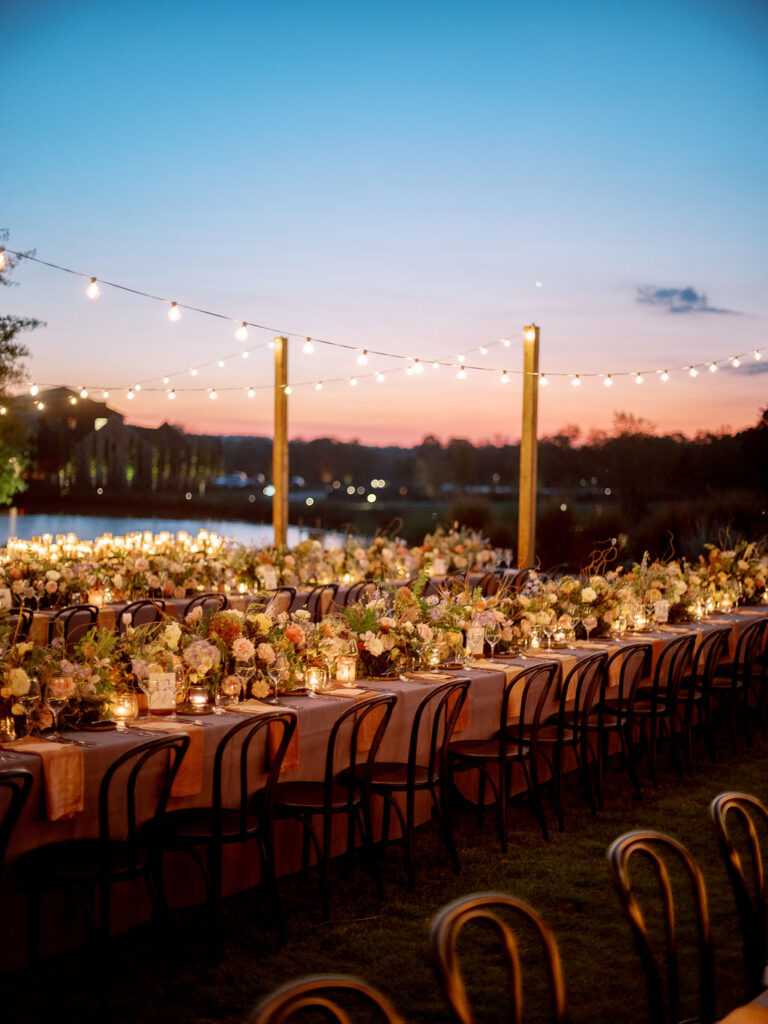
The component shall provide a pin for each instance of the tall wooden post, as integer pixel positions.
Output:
(526, 527)
(280, 444)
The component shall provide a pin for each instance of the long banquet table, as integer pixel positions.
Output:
(315, 719)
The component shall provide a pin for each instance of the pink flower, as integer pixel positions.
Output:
(265, 653)
(294, 633)
(61, 686)
(51, 586)
(243, 649)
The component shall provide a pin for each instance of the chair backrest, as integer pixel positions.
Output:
(320, 600)
(146, 771)
(361, 591)
(580, 691)
(489, 584)
(537, 683)
(15, 784)
(280, 600)
(671, 667)
(236, 747)
(210, 603)
(748, 646)
(634, 662)
(660, 965)
(141, 613)
(348, 742)
(493, 908)
(439, 710)
(708, 656)
(20, 621)
(322, 992)
(73, 622)
(737, 817)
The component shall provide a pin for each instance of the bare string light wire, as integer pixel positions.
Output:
(414, 365)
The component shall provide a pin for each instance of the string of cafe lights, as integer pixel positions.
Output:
(411, 365)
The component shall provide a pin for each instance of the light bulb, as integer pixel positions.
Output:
(83, 392)
(3, 410)
(506, 342)
(271, 345)
(130, 396)
(165, 380)
(41, 406)
(757, 354)
(251, 393)
(483, 350)
(380, 378)
(543, 380)
(462, 374)
(665, 376)
(736, 362)
(435, 365)
(105, 395)
(529, 334)
(3, 260)
(608, 381)
(461, 358)
(137, 387)
(576, 382)
(171, 394)
(242, 332)
(220, 364)
(174, 313)
(417, 367)
(288, 389)
(193, 372)
(93, 291)
(72, 400)
(362, 359)
(505, 378)
(639, 378)
(308, 348)
(713, 367)
(33, 390)
(244, 354)
(319, 386)
(693, 371)
(212, 394)
(353, 382)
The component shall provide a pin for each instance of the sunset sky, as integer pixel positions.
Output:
(420, 178)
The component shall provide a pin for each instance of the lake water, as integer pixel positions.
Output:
(24, 527)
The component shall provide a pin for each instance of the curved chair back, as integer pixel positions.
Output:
(537, 683)
(350, 750)
(236, 746)
(580, 693)
(73, 622)
(671, 667)
(708, 656)
(661, 968)
(634, 662)
(320, 600)
(209, 602)
(15, 784)
(748, 646)
(135, 774)
(20, 621)
(442, 705)
(316, 992)
(746, 873)
(493, 908)
(280, 600)
(362, 591)
(141, 613)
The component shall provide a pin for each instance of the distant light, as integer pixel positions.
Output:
(93, 291)
(361, 490)
(174, 313)
(608, 491)
(371, 498)
(251, 393)
(362, 359)
(83, 392)
(576, 382)
(563, 507)
(3, 260)
(353, 382)
(462, 374)
(40, 406)
(350, 490)
(693, 372)
(310, 501)
(309, 348)
(3, 410)
(639, 378)
(665, 376)
(33, 389)
(608, 381)
(242, 332)
(99, 490)
(221, 364)
(538, 284)
(380, 378)
(269, 491)
(188, 496)
(736, 362)
(319, 386)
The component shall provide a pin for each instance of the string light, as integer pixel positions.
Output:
(664, 376)
(713, 367)
(435, 365)
(41, 406)
(288, 389)
(505, 378)
(221, 364)
(33, 390)
(319, 386)
(171, 394)
(362, 359)
(735, 362)
(693, 371)
(608, 381)
(308, 348)
(353, 382)
(93, 291)
(165, 380)
(130, 396)
(251, 393)
(137, 387)
(105, 395)
(242, 332)
(639, 378)
(245, 354)
(174, 313)
(462, 374)
(543, 380)
(83, 392)
(417, 367)
(3, 410)
(576, 382)
(506, 342)
(212, 394)
(461, 358)
(380, 378)
(193, 372)
(72, 400)
(757, 354)
(483, 350)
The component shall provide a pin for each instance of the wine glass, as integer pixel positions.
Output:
(55, 705)
(244, 670)
(30, 702)
(277, 672)
(180, 685)
(492, 635)
(227, 693)
(148, 685)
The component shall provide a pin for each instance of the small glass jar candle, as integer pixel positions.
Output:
(125, 709)
(198, 697)
(346, 667)
(431, 655)
(316, 678)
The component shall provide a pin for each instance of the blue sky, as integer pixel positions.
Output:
(394, 177)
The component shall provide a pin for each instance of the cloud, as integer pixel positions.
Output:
(678, 300)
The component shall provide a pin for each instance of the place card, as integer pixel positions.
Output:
(5, 597)
(163, 695)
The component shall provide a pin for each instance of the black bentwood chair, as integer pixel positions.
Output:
(698, 686)
(340, 997)
(353, 743)
(667, 861)
(15, 784)
(733, 682)
(141, 613)
(133, 796)
(741, 822)
(657, 708)
(246, 816)
(72, 623)
(492, 910)
(210, 603)
(320, 600)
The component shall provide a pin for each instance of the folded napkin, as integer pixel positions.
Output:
(593, 645)
(674, 629)
(257, 707)
(62, 774)
(430, 677)
(189, 778)
(353, 692)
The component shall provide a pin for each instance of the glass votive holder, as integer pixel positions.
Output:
(346, 669)
(198, 700)
(431, 655)
(125, 709)
(315, 678)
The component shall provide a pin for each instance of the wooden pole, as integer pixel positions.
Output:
(526, 527)
(280, 445)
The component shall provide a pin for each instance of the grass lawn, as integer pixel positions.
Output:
(566, 880)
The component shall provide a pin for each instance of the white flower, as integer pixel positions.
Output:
(18, 682)
(588, 595)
